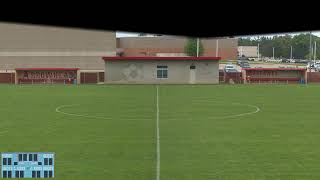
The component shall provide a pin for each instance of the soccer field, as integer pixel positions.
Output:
(183, 132)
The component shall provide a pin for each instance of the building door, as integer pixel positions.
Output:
(192, 74)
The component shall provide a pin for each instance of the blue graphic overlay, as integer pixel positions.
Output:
(27, 165)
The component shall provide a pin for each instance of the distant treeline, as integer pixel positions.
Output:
(300, 45)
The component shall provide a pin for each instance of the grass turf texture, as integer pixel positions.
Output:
(279, 142)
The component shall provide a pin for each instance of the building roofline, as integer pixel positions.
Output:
(150, 58)
(47, 69)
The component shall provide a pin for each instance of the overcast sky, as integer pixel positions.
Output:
(130, 34)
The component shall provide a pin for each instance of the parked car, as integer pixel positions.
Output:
(312, 65)
(292, 60)
(285, 60)
(244, 64)
(230, 68)
(317, 67)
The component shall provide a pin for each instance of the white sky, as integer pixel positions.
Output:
(131, 34)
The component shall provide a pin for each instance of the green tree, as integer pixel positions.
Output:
(191, 47)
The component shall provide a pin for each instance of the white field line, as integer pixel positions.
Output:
(241, 114)
(158, 138)
(59, 110)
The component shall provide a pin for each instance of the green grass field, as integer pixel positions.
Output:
(256, 132)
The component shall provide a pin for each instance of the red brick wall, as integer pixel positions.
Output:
(88, 77)
(313, 77)
(235, 77)
(7, 78)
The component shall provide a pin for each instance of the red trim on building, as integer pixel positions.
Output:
(274, 78)
(150, 58)
(274, 69)
(47, 69)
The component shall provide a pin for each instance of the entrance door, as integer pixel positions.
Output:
(192, 74)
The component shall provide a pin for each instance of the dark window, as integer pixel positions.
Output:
(20, 157)
(192, 67)
(4, 174)
(159, 73)
(17, 174)
(4, 161)
(45, 161)
(9, 174)
(50, 174)
(45, 174)
(25, 157)
(30, 157)
(162, 71)
(9, 161)
(50, 161)
(33, 174)
(35, 157)
(39, 163)
(165, 73)
(38, 174)
(15, 163)
(21, 174)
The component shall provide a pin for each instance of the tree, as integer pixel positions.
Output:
(282, 44)
(191, 47)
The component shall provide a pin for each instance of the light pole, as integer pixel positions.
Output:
(197, 47)
(310, 50)
(315, 52)
(273, 52)
(217, 48)
(258, 52)
(310, 47)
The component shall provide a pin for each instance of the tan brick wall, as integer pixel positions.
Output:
(27, 46)
(22, 37)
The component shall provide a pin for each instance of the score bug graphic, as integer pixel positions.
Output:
(27, 165)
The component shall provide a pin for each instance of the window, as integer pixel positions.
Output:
(9, 161)
(50, 174)
(45, 161)
(17, 174)
(21, 174)
(162, 72)
(30, 157)
(45, 174)
(39, 163)
(4, 161)
(35, 157)
(20, 157)
(33, 174)
(25, 157)
(15, 163)
(9, 174)
(38, 174)
(4, 174)
(50, 161)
